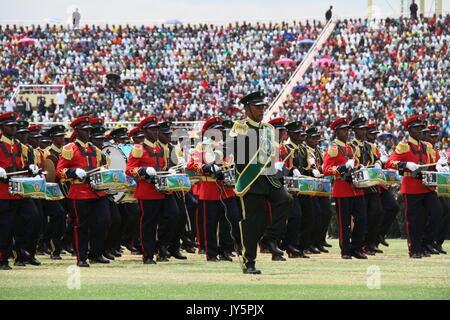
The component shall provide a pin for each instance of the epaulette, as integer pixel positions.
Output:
(402, 147)
(239, 128)
(431, 151)
(137, 151)
(67, 151)
(333, 151)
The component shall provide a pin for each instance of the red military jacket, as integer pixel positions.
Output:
(79, 155)
(334, 165)
(141, 157)
(11, 149)
(208, 188)
(419, 152)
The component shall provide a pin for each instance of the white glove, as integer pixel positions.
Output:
(296, 173)
(440, 168)
(311, 161)
(412, 166)
(102, 169)
(384, 159)
(172, 171)
(350, 164)
(80, 173)
(34, 168)
(3, 173)
(279, 165)
(181, 160)
(150, 171)
(377, 165)
(442, 162)
(316, 173)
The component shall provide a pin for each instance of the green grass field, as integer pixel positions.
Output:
(323, 276)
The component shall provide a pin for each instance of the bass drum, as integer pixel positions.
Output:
(118, 162)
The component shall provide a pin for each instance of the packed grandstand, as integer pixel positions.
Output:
(385, 70)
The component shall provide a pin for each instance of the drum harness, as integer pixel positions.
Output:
(14, 156)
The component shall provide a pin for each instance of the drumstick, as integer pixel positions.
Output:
(93, 170)
(426, 165)
(17, 172)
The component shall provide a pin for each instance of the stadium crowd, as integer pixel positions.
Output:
(385, 70)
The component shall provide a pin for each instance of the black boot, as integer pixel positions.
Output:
(382, 240)
(430, 249)
(273, 247)
(313, 250)
(322, 249)
(439, 248)
(99, 259)
(108, 255)
(82, 264)
(278, 257)
(177, 255)
(250, 268)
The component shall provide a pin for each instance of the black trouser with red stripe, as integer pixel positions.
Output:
(444, 226)
(8, 212)
(199, 226)
(322, 221)
(346, 208)
(168, 223)
(390, 210)
(113, 238)
(151, 213)
(92, 219)
(27, 227)
(293, 223)
(374, 210)
(56, 215)
(213, 212)
(418, 208)
(307, 222)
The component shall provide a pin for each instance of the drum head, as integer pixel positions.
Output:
(49, 166)
(118, 159)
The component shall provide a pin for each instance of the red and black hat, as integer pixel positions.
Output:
(295, 126)
(148, 122)
(83, 122)
(414, 121)
(373, 128)
(136, 132)
(22, 126)
(432, 130)
(97, 122)
(279, 123)
(213, 123)
(340, 123)
(359, 123)
(35, 130)
(9, 118)
(165, 127)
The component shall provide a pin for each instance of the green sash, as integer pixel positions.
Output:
(254, 168)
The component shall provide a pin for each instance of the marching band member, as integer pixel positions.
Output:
(113, 237)
(173, 221)
(432, 137)
(407, 158)
(55, 211)
(144, 162)
(136, 135)
(215, 201)
(13, 158)
(388, 202)
(321, 204)
(90, 207)
(368, 158)
(28, 223)
(340, 158)
(257, 185)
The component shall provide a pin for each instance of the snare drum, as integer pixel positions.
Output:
(323, 187)
(307, 186)
(429, 178)
(443, 191)
(110, 181)
(443, 179)
(53, 192)
(291, 184)
(194, 177)
(392, 177)
(27, 187)
(172, 182)
(367, 177)
(229, 177)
